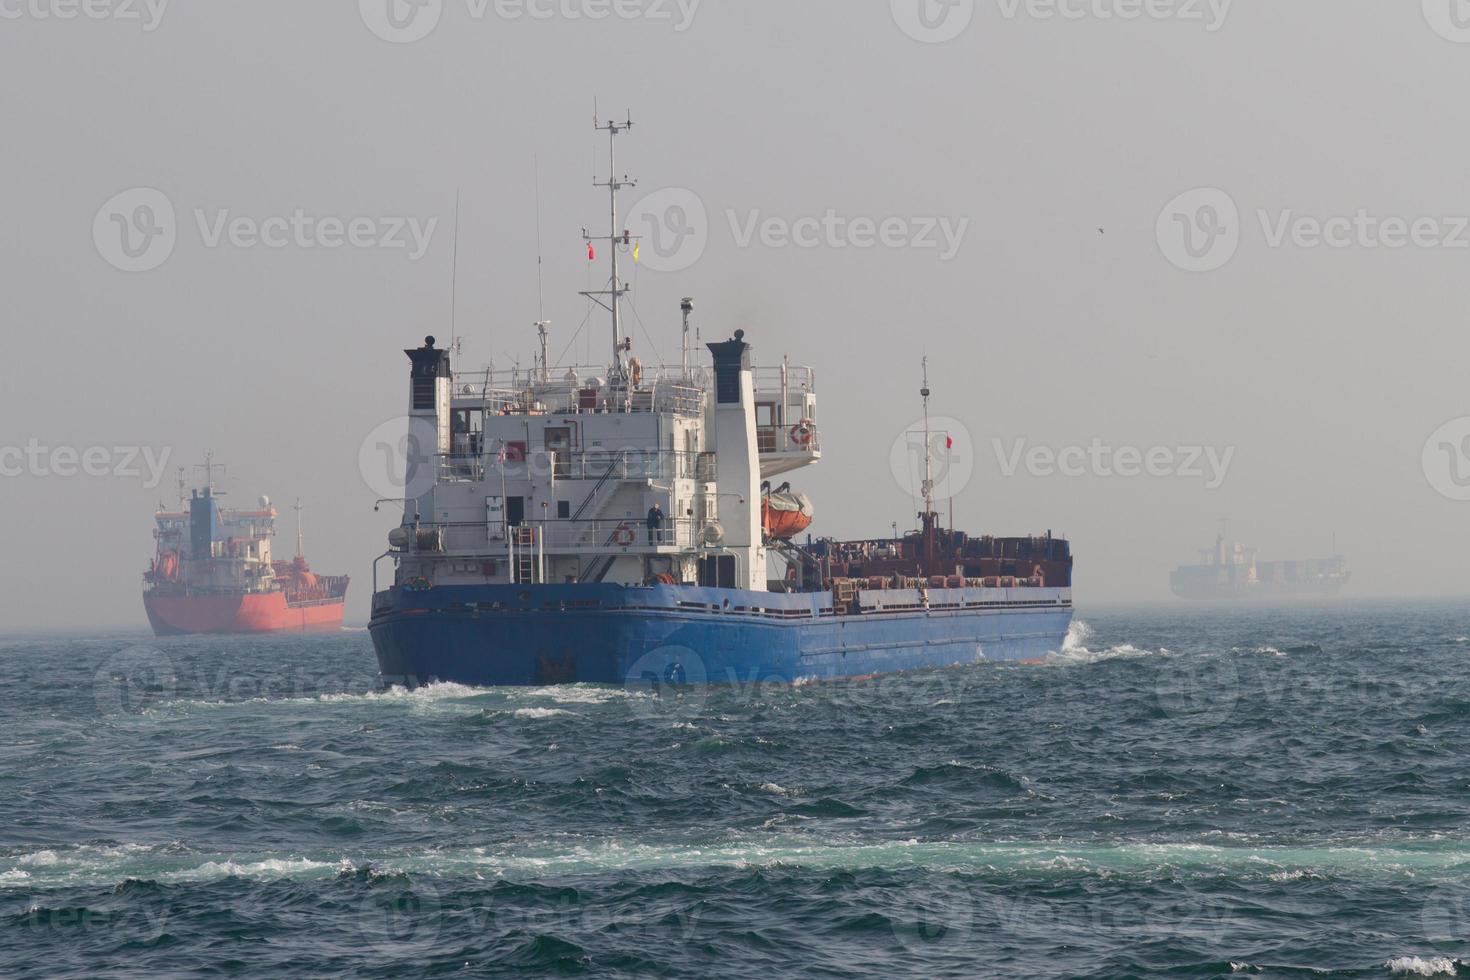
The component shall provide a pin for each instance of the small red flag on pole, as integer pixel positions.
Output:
(591, 253)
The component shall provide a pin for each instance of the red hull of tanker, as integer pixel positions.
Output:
(268, 612)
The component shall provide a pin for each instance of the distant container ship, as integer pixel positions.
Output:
(1231, 571)
(213, 573)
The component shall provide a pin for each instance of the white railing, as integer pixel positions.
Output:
(564, 537)
(594, 465)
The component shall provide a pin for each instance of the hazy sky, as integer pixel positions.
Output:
(1051, 140)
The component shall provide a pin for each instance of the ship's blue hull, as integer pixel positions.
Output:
(550, 634)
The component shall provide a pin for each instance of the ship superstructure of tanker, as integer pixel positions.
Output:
(213, 572)
(630, 521)
(1231, 570)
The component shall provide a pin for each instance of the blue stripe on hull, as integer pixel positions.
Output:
(548, 634)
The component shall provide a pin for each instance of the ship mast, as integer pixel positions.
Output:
(209, 466)
(616, 290)
(928, 517)
(298, 509)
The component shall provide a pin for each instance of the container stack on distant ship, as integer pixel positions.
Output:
(1230, 570)
(213, 572)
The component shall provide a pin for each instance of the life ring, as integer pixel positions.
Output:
(624, 535)
(803, 432)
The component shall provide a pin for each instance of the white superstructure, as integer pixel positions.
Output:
(623, 473)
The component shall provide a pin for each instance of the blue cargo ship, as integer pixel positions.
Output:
(619, 524)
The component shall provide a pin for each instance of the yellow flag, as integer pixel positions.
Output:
(636, 247)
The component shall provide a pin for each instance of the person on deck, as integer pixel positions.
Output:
(655, 522)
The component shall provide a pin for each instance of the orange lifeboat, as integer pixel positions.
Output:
(786, 514)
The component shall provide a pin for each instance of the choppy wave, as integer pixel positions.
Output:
(1196, 792)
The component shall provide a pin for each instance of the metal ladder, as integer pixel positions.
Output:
(523, 554)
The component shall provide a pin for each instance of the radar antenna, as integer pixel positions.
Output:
(209, 466)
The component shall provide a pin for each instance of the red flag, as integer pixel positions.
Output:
(591, 253)
(948, 442)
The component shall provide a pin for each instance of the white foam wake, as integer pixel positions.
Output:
(1416, 967)
(1075, 650)
(105, 866)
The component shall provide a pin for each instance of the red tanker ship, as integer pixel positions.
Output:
(213, 573)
